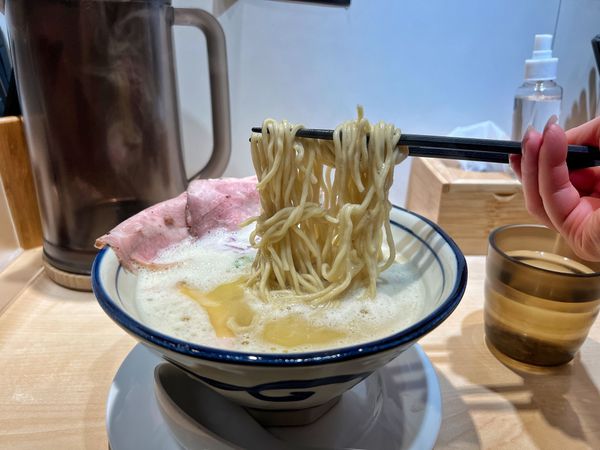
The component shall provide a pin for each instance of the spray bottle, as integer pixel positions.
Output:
(539, 97)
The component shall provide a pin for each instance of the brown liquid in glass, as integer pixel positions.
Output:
(533, 329)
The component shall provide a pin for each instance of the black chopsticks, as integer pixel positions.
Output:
(486, 150)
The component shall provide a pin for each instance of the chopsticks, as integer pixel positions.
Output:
(485, 150)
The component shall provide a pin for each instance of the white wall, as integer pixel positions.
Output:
(425, 65)
(578, 23)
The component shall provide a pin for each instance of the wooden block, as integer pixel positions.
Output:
(17, 178)
(467, 205)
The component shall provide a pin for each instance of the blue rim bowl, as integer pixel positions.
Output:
(435, 244)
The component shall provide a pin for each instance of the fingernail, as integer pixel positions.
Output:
(551, 121)
(526, 138)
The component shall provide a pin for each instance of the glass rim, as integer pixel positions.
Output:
(492, 243)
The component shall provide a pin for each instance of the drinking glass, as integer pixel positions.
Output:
(540, 298)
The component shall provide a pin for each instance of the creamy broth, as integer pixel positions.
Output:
(202, 298)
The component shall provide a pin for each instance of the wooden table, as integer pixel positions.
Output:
(59, 353)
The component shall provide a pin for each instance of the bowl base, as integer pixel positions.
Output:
(291, 417)
(400, 406)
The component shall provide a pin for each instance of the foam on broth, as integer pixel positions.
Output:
(202, 298)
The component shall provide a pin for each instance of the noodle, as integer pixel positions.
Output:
(324, 209)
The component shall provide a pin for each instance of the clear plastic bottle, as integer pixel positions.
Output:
(540, 96)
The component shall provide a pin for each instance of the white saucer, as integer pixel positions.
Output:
(398, 407)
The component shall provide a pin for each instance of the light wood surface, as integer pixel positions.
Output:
(466, 204)
(17, 178)
(59, 353)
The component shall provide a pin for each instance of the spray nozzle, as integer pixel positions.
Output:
(542, 47)
(541, 66)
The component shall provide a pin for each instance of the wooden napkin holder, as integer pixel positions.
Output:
(466, 204)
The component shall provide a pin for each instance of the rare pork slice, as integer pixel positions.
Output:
(137, 240)
(206, 205)
(221, 203)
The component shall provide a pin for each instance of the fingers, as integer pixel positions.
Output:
(515, 164)
(558, 194)
(586, 181)
(566, 202)
(532, 142)
(515, 160)
(586, 134)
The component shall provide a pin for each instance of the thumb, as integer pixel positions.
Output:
(586, 134)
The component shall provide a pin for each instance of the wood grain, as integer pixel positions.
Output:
(466, 204)
(59, 353)
(17, 178)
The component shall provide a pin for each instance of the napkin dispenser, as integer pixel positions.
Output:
(466, 204)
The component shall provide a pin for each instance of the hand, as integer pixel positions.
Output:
(568, 202)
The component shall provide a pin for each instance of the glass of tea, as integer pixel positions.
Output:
(540, 298)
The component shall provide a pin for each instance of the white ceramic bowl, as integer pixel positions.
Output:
(310, 382)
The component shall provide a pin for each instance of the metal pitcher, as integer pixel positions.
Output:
(96, 79)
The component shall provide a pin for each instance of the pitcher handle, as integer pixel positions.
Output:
(219, 86)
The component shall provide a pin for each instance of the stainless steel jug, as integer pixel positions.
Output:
(96, 79)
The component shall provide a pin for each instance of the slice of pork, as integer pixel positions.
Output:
(206, 205)
(220, 203)
(137, 240)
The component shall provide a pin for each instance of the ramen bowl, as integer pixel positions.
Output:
(296, 388)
